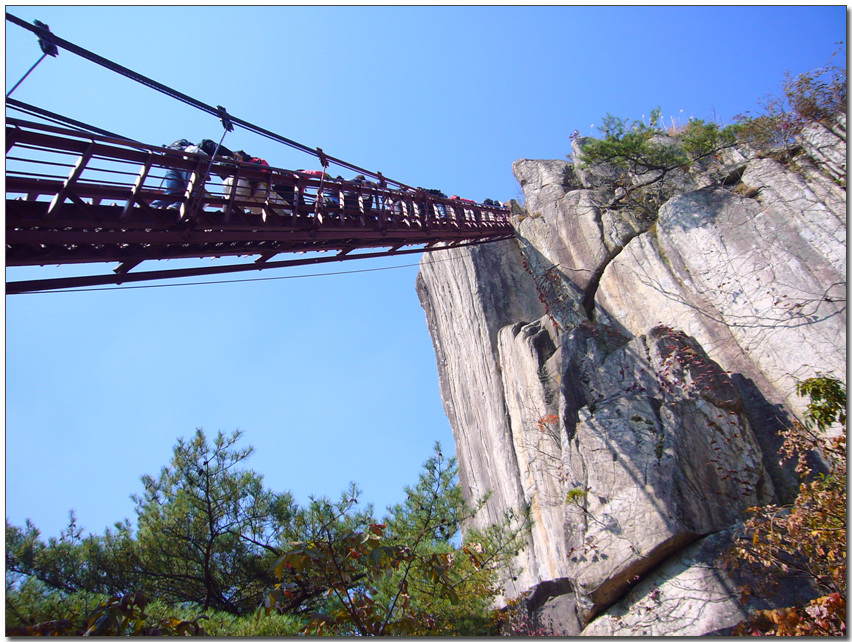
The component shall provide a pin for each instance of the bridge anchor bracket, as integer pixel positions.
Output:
(125, 267)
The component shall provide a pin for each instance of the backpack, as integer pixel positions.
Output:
(179, 145)
(209, 147)
(262, 163)
(258, 161)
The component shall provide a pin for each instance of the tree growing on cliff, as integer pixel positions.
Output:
(809, 537)
(646, 153)
(641, 147)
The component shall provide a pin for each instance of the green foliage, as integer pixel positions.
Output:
(30, 601)
(34, 609)
(575, 495)
(348, 565)
(208, 528)
(404, 576)
(430, 521)
(216, 551)
(808, 538)
(304, 584)
(643, 148)
(699, 139)
(632, 146)
(207, 531)
(125, 615)
(646, 153)
(221, 624)
(112, 616)
(73, 562)
(828, 401)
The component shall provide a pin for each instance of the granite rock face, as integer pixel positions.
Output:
(489, 290)
(623, 374)
(659, 449)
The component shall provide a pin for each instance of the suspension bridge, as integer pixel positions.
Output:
(76, 194)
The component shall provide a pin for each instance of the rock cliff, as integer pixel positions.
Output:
(624, 373)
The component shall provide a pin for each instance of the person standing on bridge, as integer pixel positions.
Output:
(353, 197)
(177, 180)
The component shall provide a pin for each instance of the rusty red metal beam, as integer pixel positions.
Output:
(122, 277)
(74, 197)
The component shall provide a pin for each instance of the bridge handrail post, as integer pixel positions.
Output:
(383, 213)
(361, 203)
(428, 207)
(409, 208)
(193, 197)
(413, 208)
(76, 172)
(137, 185)
(341, 204)
(299, 195)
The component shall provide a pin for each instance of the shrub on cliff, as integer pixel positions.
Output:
(808, 538)
(648, 153)
(647, 149)
(815, 96)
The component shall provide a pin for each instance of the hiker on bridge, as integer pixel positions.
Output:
(176, 180)
(351, 197)
(259, 191)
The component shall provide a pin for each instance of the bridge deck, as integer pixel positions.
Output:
(74, 197)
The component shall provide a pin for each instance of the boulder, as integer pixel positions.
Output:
(692, 594)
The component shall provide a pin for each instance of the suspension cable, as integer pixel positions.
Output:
(64, 120)
(41, 30)
(229, 281)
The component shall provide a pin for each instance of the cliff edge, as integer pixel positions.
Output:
(624, 372)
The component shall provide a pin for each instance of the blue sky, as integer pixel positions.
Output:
(332, 378)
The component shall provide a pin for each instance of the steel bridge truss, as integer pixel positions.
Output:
(74, 197)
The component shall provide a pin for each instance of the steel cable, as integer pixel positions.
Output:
(42, 32)
(62, 120)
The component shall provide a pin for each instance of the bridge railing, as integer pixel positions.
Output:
(63, 167)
